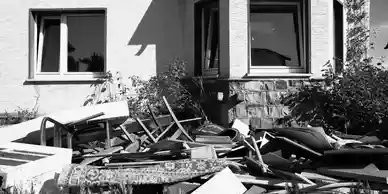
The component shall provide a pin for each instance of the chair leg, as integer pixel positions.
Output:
(146, 130)
(159, 126)
(176, 120)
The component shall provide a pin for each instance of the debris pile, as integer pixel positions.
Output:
(164, 155)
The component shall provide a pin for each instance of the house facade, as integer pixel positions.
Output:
(55, 49)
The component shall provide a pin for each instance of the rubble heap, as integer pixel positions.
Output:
(166, 155)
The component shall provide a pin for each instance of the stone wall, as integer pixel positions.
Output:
(255, 102)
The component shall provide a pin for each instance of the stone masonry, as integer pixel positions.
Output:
(260, 104)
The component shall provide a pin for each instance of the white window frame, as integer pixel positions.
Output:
(63, 74)
(205, 53)
(281, 70)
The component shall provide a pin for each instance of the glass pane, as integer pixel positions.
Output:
(51, 45)
(274, 39)
(86, 50)
(211, 35)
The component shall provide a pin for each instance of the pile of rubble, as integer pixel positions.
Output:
(100, 148)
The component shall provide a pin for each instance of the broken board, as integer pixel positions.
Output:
(224, 182)
(25, 165)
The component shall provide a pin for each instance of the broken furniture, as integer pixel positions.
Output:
(22, 165)
(29, 131)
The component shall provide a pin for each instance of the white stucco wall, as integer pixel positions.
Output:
(165, 28)
(161, 26)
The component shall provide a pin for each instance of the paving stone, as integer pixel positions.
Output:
(262, 98)
(231, 115)
(273, 98)
(256, 111)
(296, 83)
(275, 111)
(258, 98)
(269, 85)
(244, 120)
(253, 98)
(265, 110)
(280, 84)
(285, 111)
(255, 122)
(254, 86)
(241, 111)
(266, 123)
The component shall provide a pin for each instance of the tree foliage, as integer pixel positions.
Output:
(354, 100)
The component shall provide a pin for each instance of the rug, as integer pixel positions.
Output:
(76, 175)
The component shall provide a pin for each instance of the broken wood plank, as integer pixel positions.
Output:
(212, 139)
(319, 177)
(132, 126)
(247, 179)
(258, 154)
(146, 130)
(153, 116)
(238, 148)
(177, 122)
(107, 151)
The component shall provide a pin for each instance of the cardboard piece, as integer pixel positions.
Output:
(241, 127)
(224, 182)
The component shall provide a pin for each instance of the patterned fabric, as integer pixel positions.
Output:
(168, 172)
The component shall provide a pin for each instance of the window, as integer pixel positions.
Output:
(277, 37)
(338, 35)
(68, 44)
(207, 41)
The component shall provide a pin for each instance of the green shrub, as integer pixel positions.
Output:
(354, 100)
(140, 93)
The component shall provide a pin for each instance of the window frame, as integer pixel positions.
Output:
(302, 43)
(38, 17)
(200, 61)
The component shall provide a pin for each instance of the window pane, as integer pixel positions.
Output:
(211, 35)
(274, 37)
(86, 36)
(51, 45)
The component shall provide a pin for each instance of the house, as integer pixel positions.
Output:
(57, 48)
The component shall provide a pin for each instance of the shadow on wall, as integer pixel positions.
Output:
(162, 27)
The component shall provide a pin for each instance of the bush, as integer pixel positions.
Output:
(354, 100)
(141, 93)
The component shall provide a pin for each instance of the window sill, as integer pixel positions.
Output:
(64, 80)
(278, 75)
